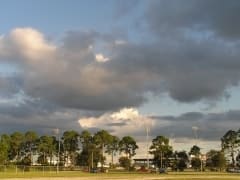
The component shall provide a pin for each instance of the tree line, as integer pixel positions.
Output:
(72, 148)
(86, 149)
(227, 157)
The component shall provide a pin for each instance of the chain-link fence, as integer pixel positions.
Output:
(44, 169)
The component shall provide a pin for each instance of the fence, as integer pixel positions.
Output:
(44, 169)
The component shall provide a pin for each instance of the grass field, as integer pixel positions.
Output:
(75, 175)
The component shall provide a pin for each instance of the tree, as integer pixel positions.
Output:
(30, 140)
(113, 146)
(238, 159)
(196, 163)
(230, 143)
(4, 148)
(209, 161)
(181, 165)
(71, 145)
(125, 162)
(90, 154)
(182, 160)
(102, 139)
(183, 155)
(46, 148)
(219, 160)
(161, 150)
(16, 143)
(195, 151)
(85, 138)
(128, 145)
(216, 160)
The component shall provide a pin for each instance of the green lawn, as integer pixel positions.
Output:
(119, 176)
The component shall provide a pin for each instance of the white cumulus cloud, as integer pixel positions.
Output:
(126, 121)
(27, 43)
(101, 58)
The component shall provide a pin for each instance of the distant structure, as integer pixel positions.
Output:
(195, 132)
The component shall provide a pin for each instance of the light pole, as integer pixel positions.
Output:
(58, 154)
(92, 155)
(147, 138)
(92, 160)
(148, 125)
(195, 130)
(201, 163)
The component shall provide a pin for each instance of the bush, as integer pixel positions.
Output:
(125, 162)
(196, 163)
(132, 168)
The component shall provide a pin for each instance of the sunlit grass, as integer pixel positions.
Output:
(123, 175)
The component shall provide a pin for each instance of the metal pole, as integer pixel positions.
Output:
(161, 159)
(147, 129)
(58, 156)
(92, 159)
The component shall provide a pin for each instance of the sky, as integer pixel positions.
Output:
(122, 66)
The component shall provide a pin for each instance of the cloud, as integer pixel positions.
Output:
(26, 113)
(25, 43)
(208, 126)
(184, 130)
(217, 16)
(101, 58)
(67, 73)
(127, 121)
(188, 71)
(9, 86)
(188, 50)
(124, 8)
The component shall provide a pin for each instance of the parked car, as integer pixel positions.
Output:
(163, 171)
(233, 170)
(94, 170)
(157, 170)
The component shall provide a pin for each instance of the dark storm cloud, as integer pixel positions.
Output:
(124, 8)
(117, 124)
(216, 16)
(211, 126)
(189, 116)
(26, 107)
(193, 55)
(74, 79)
(188, 68)
(9, 85)
(39, 116)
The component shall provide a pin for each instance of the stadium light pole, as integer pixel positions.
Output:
(58, 155)
(147, 125)
(147, 139)
(195, 131)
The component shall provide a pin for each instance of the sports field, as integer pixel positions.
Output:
(117, 176)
